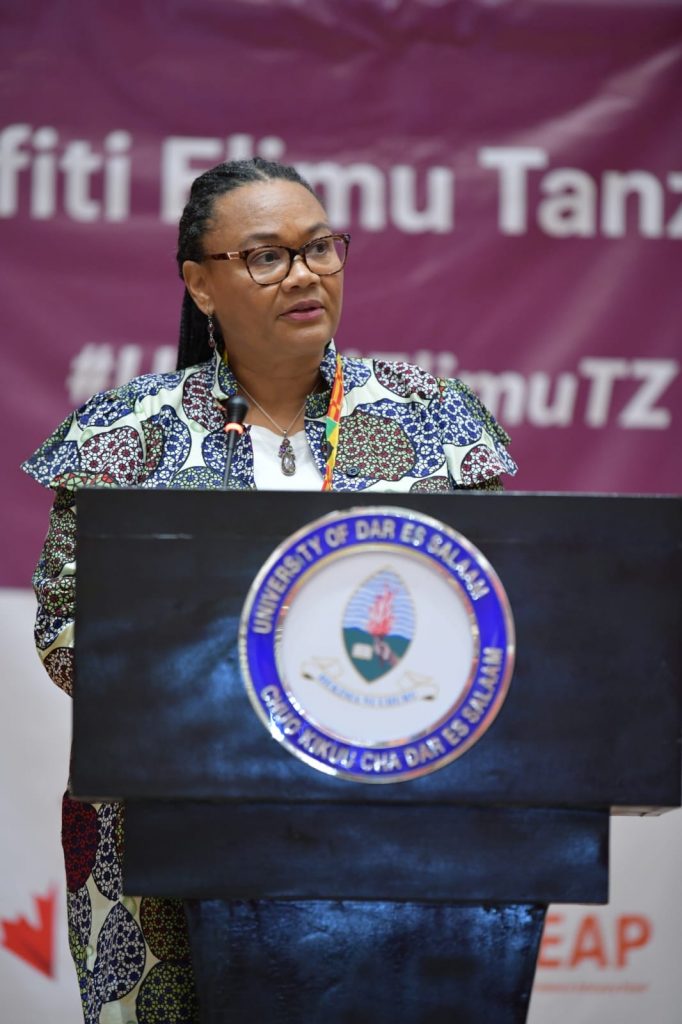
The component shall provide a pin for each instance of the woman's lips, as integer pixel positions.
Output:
(304, 313)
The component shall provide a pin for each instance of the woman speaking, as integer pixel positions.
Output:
(263, 274)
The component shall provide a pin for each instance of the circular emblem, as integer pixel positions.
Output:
(377, 644)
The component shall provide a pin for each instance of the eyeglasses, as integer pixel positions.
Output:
(270, 264)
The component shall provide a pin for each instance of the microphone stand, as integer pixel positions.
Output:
(235, 409)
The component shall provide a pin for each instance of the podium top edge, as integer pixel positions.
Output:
(395, 497)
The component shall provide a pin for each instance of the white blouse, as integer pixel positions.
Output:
(267, 469)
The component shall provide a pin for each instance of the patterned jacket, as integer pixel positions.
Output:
(401, 429)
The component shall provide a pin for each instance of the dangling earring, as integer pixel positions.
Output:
(211, 334)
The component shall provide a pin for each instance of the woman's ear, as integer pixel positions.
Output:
(196, 281)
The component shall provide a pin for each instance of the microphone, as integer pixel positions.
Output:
(235, 409)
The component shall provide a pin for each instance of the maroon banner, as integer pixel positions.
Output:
(510, 174)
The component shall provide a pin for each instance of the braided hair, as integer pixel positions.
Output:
(196, 218)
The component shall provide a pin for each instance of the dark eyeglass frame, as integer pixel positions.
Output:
(243, 254)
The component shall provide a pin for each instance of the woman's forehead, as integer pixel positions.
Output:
(266, 210)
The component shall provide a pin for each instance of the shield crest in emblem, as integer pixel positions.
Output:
(378, 625)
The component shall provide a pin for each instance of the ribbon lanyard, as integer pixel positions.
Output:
(331, 425)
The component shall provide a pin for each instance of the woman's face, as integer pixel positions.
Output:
(271, 327)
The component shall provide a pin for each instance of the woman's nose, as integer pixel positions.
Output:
(299, 272)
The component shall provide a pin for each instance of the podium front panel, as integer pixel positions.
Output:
(592, 717)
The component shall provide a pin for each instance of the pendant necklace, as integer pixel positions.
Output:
(287, 456)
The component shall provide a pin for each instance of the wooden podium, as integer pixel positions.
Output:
(312, 898)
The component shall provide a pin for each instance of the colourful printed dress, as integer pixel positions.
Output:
(401, 430)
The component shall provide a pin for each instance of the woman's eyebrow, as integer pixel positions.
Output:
(274, 236)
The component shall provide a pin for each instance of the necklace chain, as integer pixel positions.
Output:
(282, 431)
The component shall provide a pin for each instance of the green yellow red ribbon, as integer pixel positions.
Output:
(332, 424)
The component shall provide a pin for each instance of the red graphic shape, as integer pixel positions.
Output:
(34, 943)
(381, 614)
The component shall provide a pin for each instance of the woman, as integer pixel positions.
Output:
(263, 273)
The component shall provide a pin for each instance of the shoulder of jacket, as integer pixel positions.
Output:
(404, 380)
(104, 408)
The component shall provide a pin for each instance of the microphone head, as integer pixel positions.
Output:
(236, 409)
